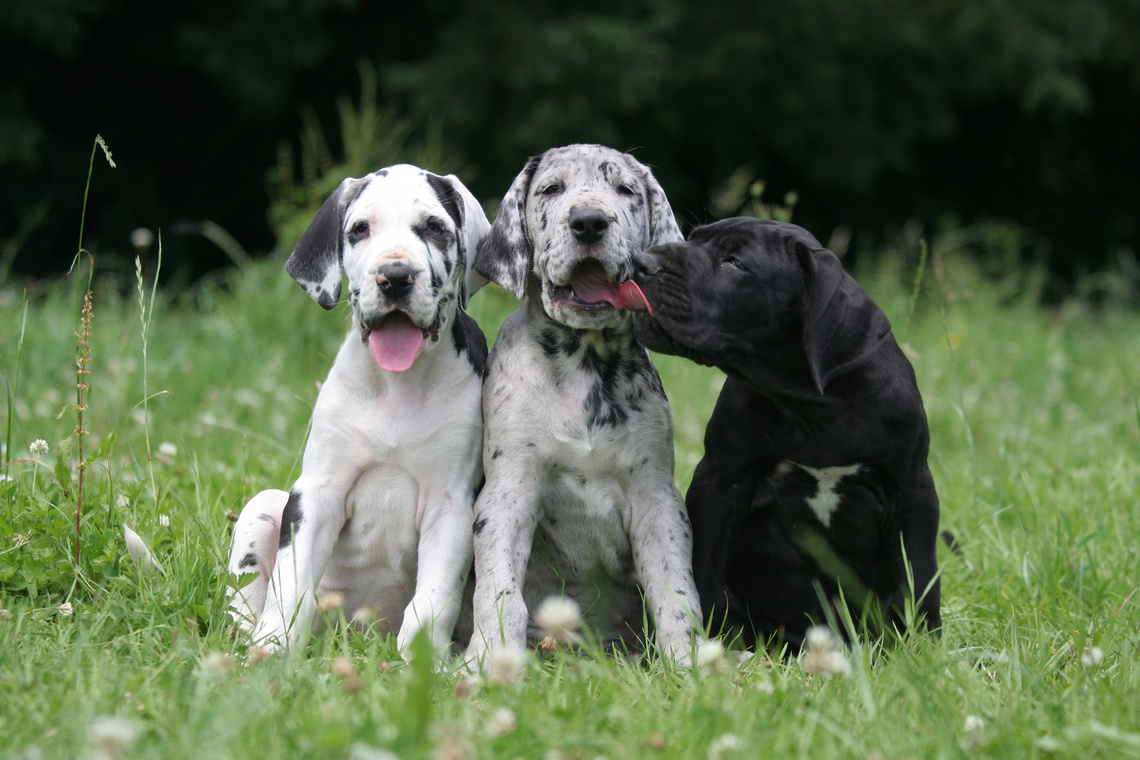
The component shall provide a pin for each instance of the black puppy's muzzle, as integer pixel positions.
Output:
(660, 273)
(646, 263)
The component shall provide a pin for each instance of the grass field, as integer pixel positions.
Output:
(1035, 421)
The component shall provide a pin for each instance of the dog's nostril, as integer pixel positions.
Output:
(588, 224)
(395, 280)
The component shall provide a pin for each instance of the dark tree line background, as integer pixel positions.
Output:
(878, 112)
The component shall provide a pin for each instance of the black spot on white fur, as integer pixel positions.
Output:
(291, 519)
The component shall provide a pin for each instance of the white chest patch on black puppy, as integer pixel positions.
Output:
(827, 498)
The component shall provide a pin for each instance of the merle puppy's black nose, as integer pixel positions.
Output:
(588, 224)
(395, 279)
(647, 263)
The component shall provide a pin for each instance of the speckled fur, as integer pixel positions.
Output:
(578, 441)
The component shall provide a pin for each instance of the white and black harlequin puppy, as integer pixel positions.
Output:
(579, 498)
(382, 511)
(815, 472)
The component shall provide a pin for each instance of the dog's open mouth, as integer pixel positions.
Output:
(396, 342)
(590, 288)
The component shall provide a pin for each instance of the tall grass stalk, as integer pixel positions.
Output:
(14, 386)
(948, 338)
(146, 313)
(83, 316)
(917, 287)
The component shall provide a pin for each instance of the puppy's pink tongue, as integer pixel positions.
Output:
(591, 286)
(633, 299)
(396, 342)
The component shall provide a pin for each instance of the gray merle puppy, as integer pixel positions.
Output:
(815, 473)
(579, 497)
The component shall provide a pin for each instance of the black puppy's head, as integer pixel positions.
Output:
(758, 299)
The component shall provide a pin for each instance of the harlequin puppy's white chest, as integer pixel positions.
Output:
(407, 453)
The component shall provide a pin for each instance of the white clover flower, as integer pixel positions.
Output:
(259, 654)
(974, 724)
(1092, 657)
(559, 618)
(4, 614)
(39, 446)
(710, 657)
(66, 610)
(121, 501)
(141, 237)
(164, 520)
(362, 751)
(501, 722)
(343, 667)
(168, 449)
(507, 665)
(6, 479)
(822, 653)
(111, 736)
(330, 602)
(218, 662)
(819, 638)
(722, 745)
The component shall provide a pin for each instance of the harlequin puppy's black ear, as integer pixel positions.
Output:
(843, 327)
(471, 224)
(505, 254)
(315, 261)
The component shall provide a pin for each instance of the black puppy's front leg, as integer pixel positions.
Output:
(920, 541)
(721, 493)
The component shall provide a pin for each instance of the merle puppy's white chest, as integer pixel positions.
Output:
(592, 428)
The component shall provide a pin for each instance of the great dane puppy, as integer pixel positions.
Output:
(578, 446)
(815, 471)
(381, 514)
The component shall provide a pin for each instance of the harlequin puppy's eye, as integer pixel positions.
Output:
(358, 230)
(434, 228)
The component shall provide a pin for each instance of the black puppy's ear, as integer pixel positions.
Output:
(843, 327)
(315, 261)
(504, 256)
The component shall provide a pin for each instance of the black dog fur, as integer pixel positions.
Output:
(815, 473)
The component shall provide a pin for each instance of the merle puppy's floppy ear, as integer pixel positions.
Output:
(843, 327)
(315, 262)
(505, 255)
(663, 226)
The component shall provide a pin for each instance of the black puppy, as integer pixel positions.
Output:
(814, 477)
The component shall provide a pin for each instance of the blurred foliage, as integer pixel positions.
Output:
(881, 113)
(743, 195)
(371, 136)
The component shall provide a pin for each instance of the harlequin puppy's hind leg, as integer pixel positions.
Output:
(254, 550)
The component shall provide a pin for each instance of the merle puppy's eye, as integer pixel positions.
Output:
(434, 228)
(551, 189)
(359, 230)
(625, 190)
